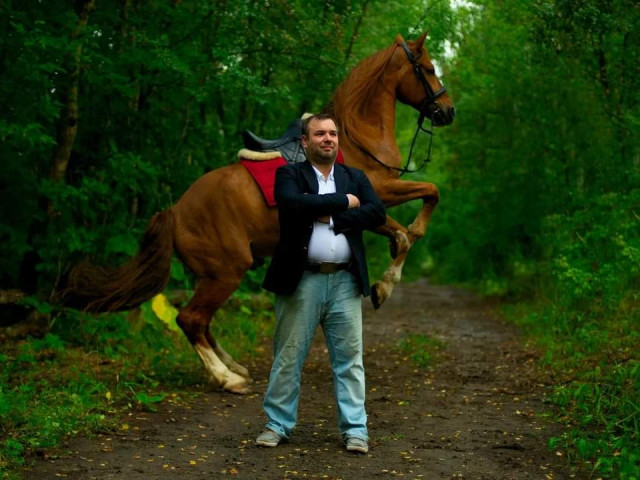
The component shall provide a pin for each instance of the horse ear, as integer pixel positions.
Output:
(399, 39)
(420, 40)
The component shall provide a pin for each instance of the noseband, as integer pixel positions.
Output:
(428, 102)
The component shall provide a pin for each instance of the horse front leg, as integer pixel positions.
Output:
(194, 320)
(397, 235)
(397, 192)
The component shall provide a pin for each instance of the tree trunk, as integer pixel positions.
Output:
(69, 119)
(68, 127)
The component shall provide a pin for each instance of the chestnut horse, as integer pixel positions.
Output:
(222, 223)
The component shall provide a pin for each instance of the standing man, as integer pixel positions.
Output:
(319, 274)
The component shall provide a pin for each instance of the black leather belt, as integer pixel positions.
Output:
(326, 267)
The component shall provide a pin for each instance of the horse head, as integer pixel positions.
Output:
(417, 83)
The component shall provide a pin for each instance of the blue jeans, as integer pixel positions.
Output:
(332, 301)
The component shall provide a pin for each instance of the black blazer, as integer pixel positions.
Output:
(299, 205)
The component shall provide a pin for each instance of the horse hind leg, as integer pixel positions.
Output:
(195, 319)
(227, 359)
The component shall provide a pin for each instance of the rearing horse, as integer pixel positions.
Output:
(222, 223)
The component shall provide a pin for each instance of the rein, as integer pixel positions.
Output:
(430, 99)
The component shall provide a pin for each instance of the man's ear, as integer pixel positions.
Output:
(303, 139)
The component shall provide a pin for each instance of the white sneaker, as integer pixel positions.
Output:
(268, 438)
(355, 444)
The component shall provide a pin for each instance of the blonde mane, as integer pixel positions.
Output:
(353, 95)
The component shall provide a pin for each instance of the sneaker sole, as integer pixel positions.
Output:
(357, 449)
(267, 444)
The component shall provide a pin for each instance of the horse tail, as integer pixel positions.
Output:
(106, 289)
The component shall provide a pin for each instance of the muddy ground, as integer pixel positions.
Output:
(477, 414)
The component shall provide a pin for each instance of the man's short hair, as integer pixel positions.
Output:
(317, 116)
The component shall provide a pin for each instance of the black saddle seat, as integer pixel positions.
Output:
(289, 145)
(255, 143)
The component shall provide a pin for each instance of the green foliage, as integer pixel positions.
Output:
(538, 175)
(147, 401)
(163, 91)
(91, 370)
(598, 371)
(538, 135)
(590, 329)
(245, 322)
(540, 200)
(596, 252)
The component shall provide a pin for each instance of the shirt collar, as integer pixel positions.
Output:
(320, 175)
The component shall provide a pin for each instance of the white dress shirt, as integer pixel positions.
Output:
(325, 245)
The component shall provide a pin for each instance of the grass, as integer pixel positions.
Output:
(422, 350)
(90, 371)
(594, 362)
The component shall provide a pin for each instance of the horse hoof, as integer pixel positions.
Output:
(238, 389)
(379, 295)
(374, 297)
(242, 371)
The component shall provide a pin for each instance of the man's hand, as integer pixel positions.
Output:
(353, 201)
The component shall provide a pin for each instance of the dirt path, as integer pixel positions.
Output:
(474, 416)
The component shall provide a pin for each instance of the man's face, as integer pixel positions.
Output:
(322, 142)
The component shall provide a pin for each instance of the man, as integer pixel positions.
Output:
(319, 273)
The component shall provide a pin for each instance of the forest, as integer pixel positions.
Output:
(111, 109)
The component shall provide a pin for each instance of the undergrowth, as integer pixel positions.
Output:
(595, 372)
(586, 321)
(90, 371)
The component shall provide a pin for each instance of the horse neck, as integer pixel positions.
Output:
(368, 127)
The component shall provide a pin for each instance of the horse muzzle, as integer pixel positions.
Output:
(439, 115)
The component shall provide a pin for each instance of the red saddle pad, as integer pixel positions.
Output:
(264, 173)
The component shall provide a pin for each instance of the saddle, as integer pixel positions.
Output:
(263, 157)
(288, 146)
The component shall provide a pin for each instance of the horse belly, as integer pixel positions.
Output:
(226, 210)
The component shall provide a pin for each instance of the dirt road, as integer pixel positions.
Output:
(475, 415)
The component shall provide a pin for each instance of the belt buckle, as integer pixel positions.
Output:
(327, 267)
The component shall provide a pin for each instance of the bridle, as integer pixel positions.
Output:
(430, 96)
(428, 102)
